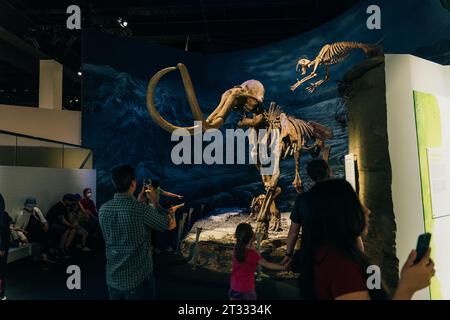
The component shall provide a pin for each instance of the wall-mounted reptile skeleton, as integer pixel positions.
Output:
(294, 134)
(330, 54)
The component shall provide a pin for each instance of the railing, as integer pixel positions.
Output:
(27, 151)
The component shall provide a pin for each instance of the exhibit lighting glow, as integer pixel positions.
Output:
(80, 73)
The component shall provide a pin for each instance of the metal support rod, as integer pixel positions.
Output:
(180, 231)
(258, 248)
(196, 249)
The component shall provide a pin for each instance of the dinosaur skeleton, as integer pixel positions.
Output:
(330, 54)
(293, 134)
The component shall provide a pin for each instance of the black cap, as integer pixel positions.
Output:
(69, 197)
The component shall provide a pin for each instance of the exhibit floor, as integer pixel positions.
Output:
(175, 280)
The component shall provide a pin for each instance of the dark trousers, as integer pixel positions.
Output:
(41, 237)
(3, 261)
(145, 291)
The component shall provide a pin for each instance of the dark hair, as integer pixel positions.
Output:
(155, 183)
(336, 220)
(69, 197)
(122, 176)
(318, 170)
(244, 234)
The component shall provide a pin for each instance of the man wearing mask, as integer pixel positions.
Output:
(90, 221)
(87, 205)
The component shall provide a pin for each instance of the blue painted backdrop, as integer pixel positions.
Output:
(117, 126)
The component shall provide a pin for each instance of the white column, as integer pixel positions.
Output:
(50, 84)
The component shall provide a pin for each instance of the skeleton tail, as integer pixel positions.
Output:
(341, 50)
(320, 131)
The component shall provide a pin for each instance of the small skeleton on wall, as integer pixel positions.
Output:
(330, 54)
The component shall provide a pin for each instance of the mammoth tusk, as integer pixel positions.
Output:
(156, 116)
(197, 113)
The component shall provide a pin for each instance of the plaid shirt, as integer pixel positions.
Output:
(126, 224)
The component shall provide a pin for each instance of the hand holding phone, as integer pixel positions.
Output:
(423, 244)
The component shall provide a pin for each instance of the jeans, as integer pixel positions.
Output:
(3, 262)
(145, 291)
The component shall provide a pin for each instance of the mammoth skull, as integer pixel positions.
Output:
(244, 97)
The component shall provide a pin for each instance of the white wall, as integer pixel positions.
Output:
(46, 184)
(58, 125)
(404, 74)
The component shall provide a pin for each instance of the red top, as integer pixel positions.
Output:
(243, 273)
(89, 205)
(336, 275)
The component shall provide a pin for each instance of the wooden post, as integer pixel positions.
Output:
(202, 208)
(196, 249)
(180, 231)
(258, 248)
(191, 210)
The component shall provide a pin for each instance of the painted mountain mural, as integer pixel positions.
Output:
(118, 128)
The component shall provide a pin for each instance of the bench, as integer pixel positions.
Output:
(29, 250)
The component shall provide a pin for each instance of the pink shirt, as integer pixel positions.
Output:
(243, 273)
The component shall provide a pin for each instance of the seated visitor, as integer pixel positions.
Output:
(31, 226)
(60, 227)
(126, 224)
(245, 261)
(5, 238)
(332, 265)
(90, 221)
(74, 217)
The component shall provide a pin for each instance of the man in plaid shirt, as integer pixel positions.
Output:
(126, 223)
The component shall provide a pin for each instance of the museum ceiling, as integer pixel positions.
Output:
(32, 30)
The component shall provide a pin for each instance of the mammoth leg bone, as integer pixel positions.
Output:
(297, 183)
(275, 215)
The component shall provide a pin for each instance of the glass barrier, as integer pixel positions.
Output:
(7, 150)
(19, 150)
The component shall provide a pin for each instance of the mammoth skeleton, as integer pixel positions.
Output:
(248, 98)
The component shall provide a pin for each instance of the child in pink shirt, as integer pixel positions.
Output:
(245, 261)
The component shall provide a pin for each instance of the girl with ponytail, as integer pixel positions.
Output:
(245, 261)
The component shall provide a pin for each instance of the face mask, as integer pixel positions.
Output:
(89, 195)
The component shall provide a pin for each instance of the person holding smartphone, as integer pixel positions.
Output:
(333, 267)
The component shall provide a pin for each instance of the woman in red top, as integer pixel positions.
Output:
(332, 264)
(245, 261)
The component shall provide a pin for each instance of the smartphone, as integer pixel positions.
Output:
(423, 243)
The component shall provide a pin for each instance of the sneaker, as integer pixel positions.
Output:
(64, 254)
(45, 267)
(3, 298)
(48, 260)
(86, 249)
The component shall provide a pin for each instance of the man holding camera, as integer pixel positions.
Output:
(126, 225)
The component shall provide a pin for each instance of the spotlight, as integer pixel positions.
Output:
(122, 22)
(80, 73)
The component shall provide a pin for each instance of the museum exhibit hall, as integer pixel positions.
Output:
(213, 151)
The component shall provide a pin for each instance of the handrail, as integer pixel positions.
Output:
(21, 135)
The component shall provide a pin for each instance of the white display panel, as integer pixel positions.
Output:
(404, 75)
(439, 171)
